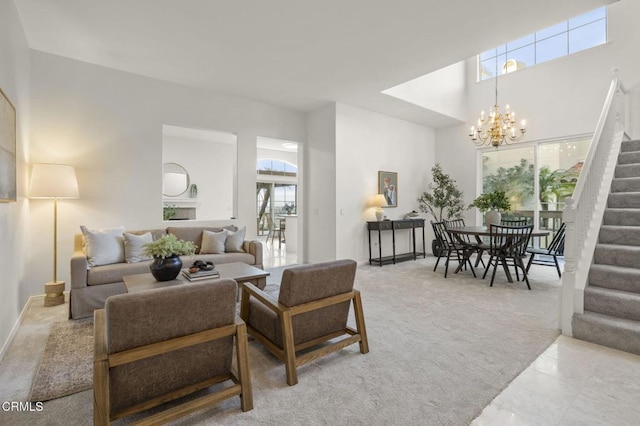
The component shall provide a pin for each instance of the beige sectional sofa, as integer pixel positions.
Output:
(91, 285)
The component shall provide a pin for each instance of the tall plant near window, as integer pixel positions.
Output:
(444, 198)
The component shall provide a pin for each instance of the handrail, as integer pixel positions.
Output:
(585, 208)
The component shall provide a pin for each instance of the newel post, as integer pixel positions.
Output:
(567, 294)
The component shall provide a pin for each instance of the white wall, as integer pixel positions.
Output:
(319, 239)
(14, 82)
(108, 124)
(559, 98)
(367, 142)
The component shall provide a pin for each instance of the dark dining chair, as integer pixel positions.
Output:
(508, 247)
(449, 246)
(514, 222)
(475, 245)
(554, 250)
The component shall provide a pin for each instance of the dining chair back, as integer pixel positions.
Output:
(508, 246)
(449, 246)
(554, 250)
(515, 222)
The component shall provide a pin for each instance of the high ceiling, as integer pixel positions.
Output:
(291, 53)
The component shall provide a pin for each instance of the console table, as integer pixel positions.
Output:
(393, 225)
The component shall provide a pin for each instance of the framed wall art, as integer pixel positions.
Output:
(388, 186)
(7, 149)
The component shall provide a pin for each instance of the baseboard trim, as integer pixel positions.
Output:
(17, 325)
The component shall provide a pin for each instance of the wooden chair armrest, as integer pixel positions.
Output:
(317, 304)
(100, 336)
(238, 321)
(249, 289)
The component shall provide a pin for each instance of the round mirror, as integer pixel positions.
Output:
(175, 180)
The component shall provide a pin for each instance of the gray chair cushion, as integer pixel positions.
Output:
(304, 284)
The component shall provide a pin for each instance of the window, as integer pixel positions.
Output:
(513, 171)
(576, 34)
(276, 168)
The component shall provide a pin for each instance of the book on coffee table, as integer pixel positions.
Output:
(200, 275)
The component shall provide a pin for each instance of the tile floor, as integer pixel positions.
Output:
(571, 383)
(274, 256)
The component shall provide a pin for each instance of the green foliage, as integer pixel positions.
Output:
(517, 182)
(169, 212)
(288, 208)
(444, 201)
(492, 200)
(169, 245)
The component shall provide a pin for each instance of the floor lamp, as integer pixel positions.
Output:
(53, 181)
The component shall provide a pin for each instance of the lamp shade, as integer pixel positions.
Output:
(379, 201)
(53, 181)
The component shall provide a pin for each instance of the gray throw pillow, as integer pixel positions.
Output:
(103, 246)
(235, 240)
(133, 250)
(213, 242)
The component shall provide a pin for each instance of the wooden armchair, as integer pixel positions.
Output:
(311, 309)
(159, 345)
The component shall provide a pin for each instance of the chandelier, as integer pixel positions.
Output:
(497, 128)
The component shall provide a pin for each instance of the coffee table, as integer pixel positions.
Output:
(241, 272)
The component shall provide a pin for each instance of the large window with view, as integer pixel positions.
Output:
(557, 166)
(567, 37)
(276, 192)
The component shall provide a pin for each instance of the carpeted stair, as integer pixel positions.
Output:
(612, 297)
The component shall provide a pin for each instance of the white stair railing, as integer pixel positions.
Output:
(585, 208)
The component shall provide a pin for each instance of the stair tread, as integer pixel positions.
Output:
(598, 290)
(608, 320)
(615, 268)
(627, 177)
(617, 247)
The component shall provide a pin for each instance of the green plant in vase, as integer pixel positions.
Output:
(491, 204)
(166, 252)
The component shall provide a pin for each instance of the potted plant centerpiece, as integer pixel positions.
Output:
(442, 201)
(491, 203)
(166, 252)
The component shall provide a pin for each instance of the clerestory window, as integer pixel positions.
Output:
(567, 37)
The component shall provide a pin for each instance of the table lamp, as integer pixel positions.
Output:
(379, 201)
(53, 181)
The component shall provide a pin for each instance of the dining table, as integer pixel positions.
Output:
(478, 232)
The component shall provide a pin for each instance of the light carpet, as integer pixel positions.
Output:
(441, 350)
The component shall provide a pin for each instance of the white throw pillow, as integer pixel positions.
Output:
(213, 242)
(234, 241)
(133, 250)
(104, 246)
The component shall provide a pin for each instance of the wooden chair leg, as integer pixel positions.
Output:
(360, 325)
(289, 348)
(242, 358)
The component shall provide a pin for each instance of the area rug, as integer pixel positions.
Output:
(66, 366)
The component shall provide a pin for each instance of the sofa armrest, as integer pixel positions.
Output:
(254, 247)
(79, 268)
